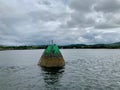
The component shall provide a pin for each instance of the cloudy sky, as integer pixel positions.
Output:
(34, 22)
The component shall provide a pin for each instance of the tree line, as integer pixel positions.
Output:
(72, 46)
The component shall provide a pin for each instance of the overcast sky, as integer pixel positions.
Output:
(35, 22)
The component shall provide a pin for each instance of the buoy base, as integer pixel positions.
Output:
(52, 62)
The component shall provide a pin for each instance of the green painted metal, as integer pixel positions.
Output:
(52, 49)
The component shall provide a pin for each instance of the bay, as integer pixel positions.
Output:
(85, 69)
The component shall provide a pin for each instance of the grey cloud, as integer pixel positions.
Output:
(46, 15)
(5, 9)
(108, 21)
(80, 20)
(107, 6)
(81, 5)
(87, 14)
(101, 37)
(80, 14)
(45, 2)
(106, 25)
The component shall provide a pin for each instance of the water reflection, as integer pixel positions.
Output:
(52, 77)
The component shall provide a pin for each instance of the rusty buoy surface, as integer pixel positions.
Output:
(52, 57)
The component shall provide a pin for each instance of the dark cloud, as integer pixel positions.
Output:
(81, 5)
(100, 14)
(100, 37)
(106, 25)
(80, 20)
(107, 6)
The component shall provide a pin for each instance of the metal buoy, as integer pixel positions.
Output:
(52, 57)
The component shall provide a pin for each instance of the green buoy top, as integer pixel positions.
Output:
(52, 49)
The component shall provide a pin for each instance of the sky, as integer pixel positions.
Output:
(37, 22)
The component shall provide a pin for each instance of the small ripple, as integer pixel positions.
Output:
(12, 69)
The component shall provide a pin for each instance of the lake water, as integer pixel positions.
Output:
(85, 69)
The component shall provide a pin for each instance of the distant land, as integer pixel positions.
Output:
(71, 46)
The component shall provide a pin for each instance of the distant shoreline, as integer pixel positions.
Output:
(60, 49)
(72, 46)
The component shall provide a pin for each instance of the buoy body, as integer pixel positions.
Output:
(52, 57)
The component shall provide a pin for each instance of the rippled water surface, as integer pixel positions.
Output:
(85, 69)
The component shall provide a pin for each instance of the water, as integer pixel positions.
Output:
(85, 69)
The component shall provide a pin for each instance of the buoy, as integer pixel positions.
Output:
(52, 57)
